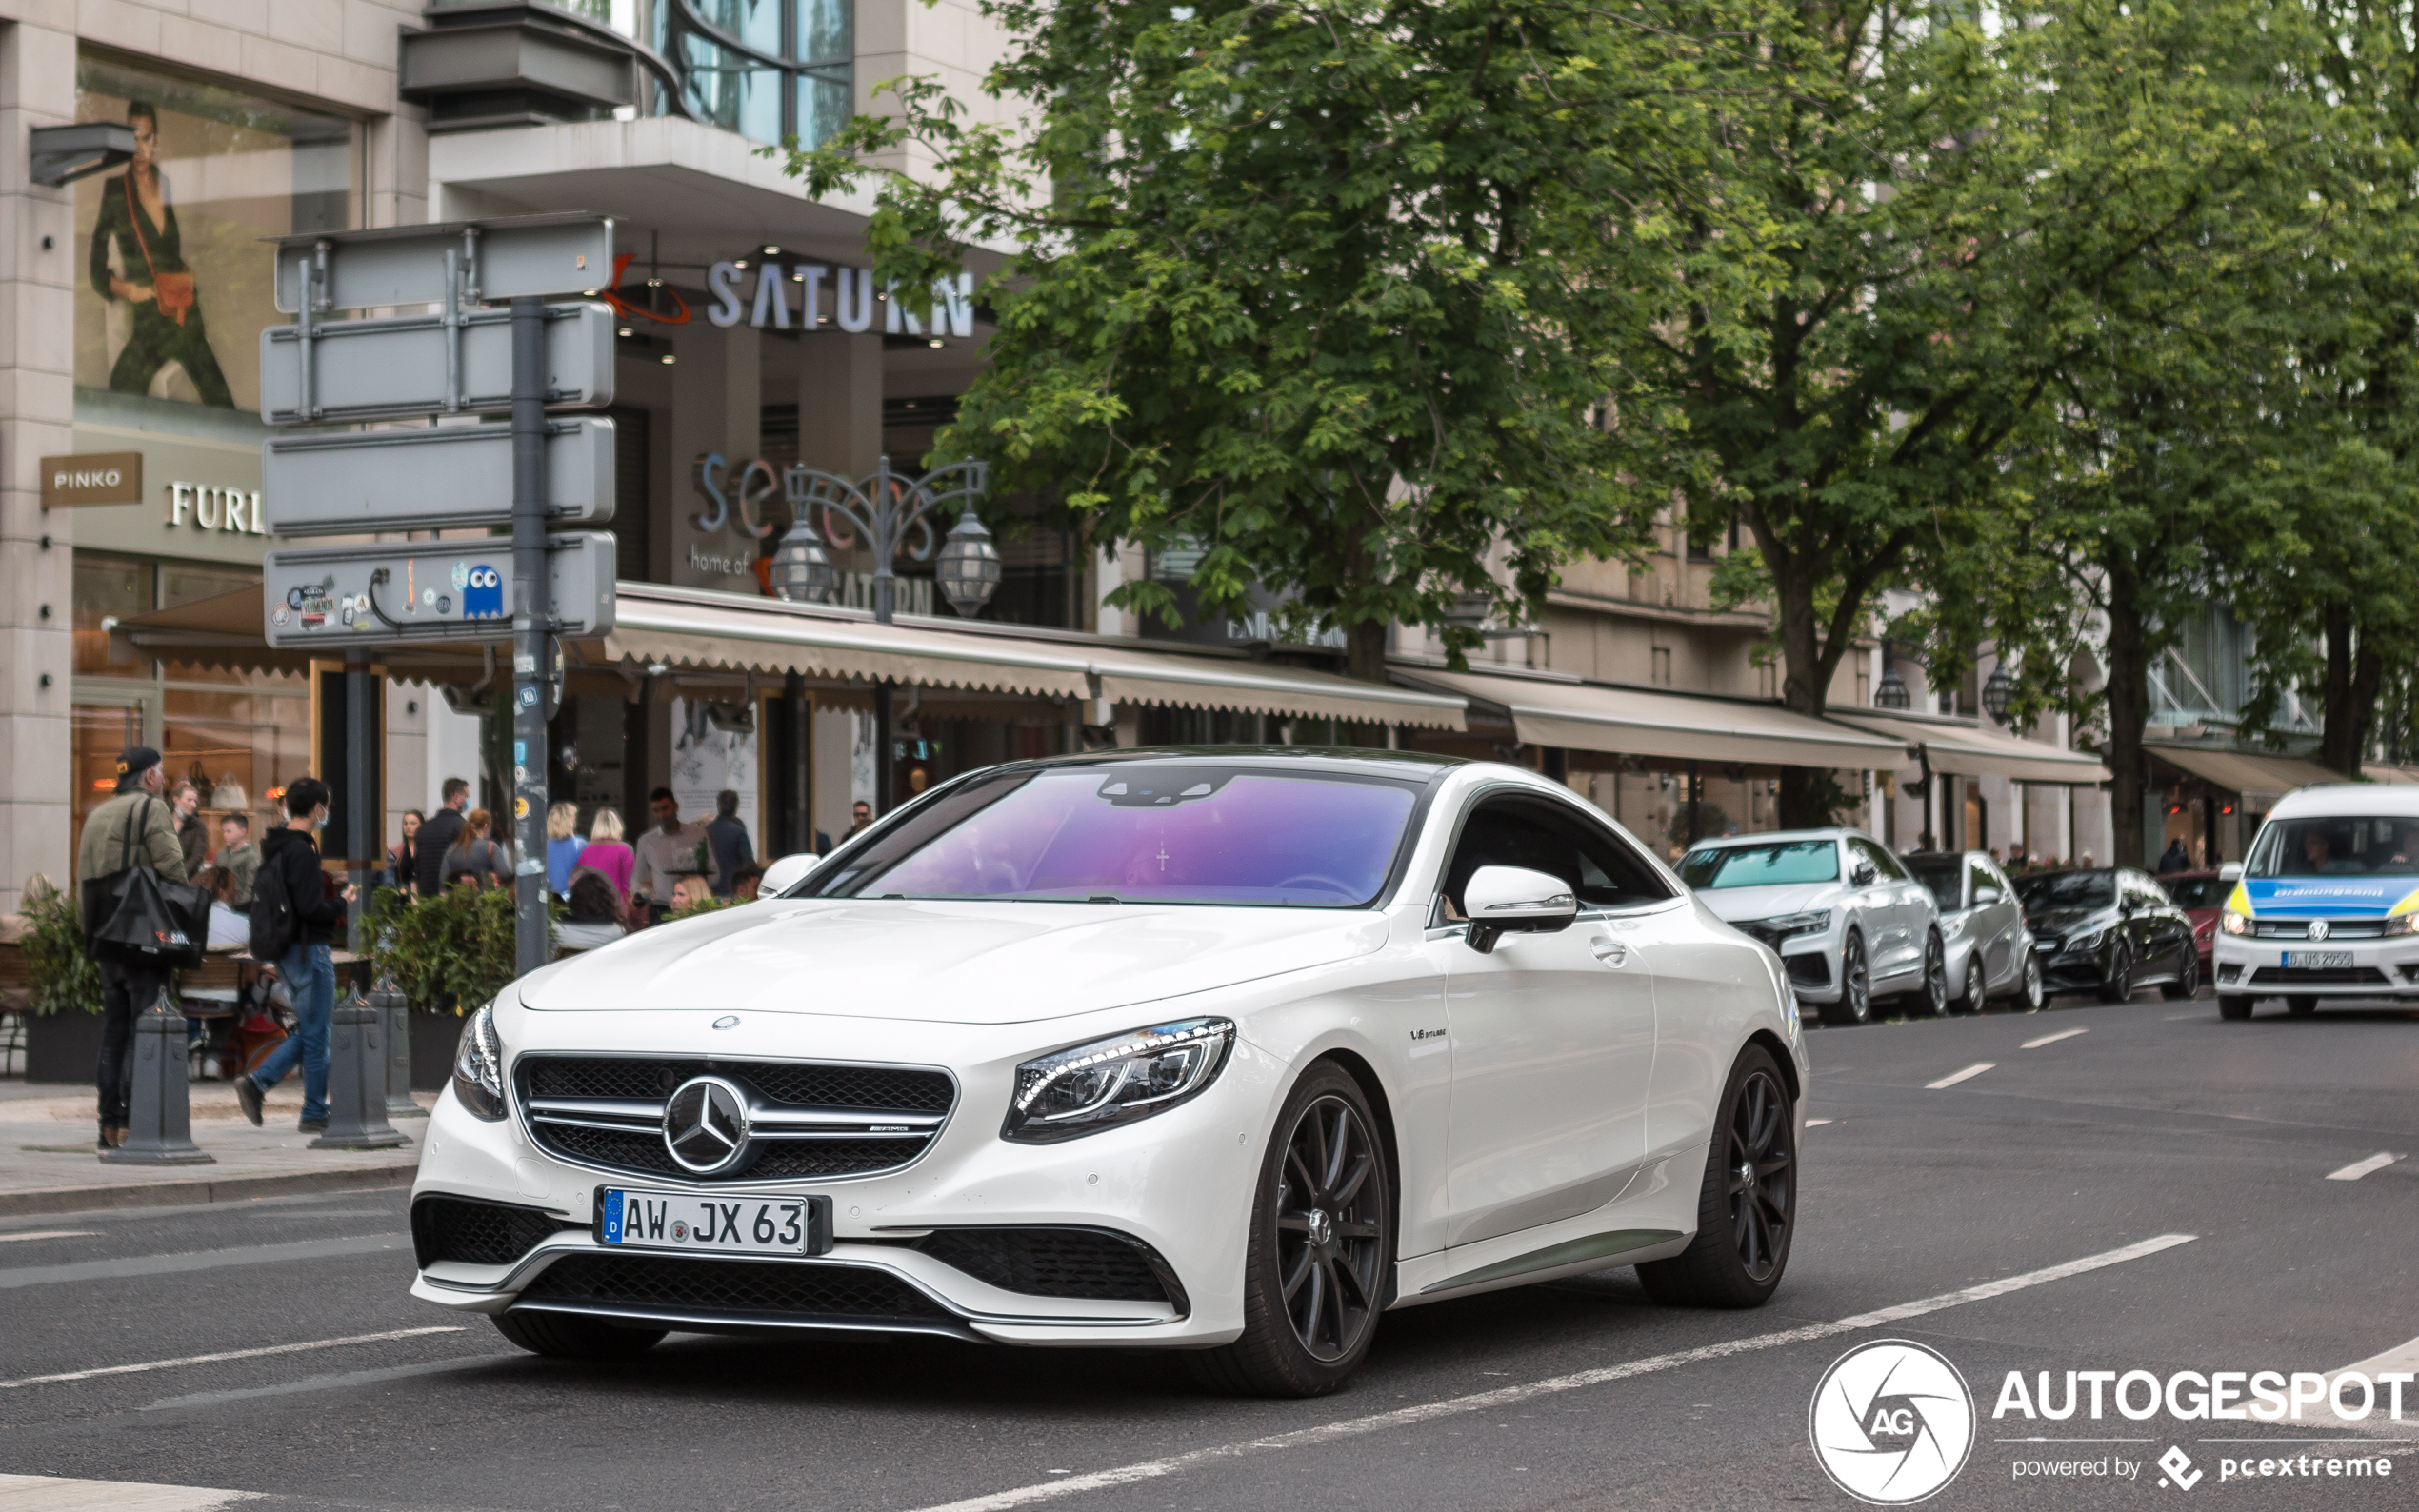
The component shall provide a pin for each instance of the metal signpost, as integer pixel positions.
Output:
(463, 358)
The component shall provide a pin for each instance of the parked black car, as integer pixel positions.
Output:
(2109, 930)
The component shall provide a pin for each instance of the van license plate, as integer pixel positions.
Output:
(2317, 959)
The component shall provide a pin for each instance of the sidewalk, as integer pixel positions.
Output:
(49, 1164)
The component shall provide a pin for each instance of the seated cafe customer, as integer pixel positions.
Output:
(595, 916)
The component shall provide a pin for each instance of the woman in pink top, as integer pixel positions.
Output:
(606, 852)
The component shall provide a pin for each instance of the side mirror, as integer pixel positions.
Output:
(783, 874)
(1502, 899)
(2231, 871)
(1988, 895)
(1863, 874)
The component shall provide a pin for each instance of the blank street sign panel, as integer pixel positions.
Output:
(396, 266)
(390, 594)
(426, 477)
(379, 369)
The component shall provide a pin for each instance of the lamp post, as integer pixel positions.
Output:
(884, 509)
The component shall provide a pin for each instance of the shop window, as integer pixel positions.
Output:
(108, 589)
(239, 749)
(173, 283)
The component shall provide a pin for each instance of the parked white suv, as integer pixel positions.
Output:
(1847, 919)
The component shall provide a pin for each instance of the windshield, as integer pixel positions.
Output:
(2048, 890)
(1775, 865)
(1144, 833)
(1944, 875)
(2336, 848)
(2198, 893)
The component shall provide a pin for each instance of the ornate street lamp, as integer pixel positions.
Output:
(1998, 692)
(802, 573)
(1892, 693)
(882, 509)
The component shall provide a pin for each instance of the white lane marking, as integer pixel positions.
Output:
(49, 1233)
(2402, 1356)
(2053, 1039)
(134, 1266)
(2360, 1168)
(42, 1493)
(1816, 1123)
(350, 1378)
(1509, 1396)
(229, 1354)
(1955, 1077)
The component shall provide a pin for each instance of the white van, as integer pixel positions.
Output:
(2328, 905)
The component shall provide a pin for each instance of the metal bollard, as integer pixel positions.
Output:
(357, 1083)
(395, 1021)
(159, 1115)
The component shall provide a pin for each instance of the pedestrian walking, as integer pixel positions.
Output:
(296, 913)
(403, 860)
(137, 825)
(193, 836)
(727, 843)
(475, 858)
(563, 848)
(437, 835)
(241, 858)
(606, 854)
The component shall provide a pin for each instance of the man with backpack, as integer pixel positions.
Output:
(296, 913)
(135, 829)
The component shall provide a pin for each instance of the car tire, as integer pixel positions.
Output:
(1744, 1224)
(1972, 998)
(569, 1336)
(1325, 1215)
(2301, 1006)
(1931, 992)
(2030, 994)
(2188, 980)
(1855, 1005)
(2118, 986)
(2233, 1006)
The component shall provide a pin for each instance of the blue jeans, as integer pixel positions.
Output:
(310, 975)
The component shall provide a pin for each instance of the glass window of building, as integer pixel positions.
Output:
(768, 69)
(175, 283)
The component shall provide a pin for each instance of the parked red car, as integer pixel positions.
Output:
(2201, 896)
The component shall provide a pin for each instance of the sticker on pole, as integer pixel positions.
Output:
(1892, 1423)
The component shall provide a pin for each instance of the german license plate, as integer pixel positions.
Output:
(2317, 959)
(700, 1224)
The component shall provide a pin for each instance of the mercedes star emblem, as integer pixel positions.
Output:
(2318, 929)
(706, 1126)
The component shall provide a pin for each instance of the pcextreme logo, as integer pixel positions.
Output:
(1892, 1423)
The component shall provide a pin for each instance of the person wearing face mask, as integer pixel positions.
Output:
(307, 967)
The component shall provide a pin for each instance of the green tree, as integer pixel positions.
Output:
(1331, 291)
(1936, 204)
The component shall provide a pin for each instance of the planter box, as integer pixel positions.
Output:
(62, 1047)
(434, 1038)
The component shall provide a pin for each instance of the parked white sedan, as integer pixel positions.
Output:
(1220, 1050)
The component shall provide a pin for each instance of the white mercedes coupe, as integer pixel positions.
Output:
(1226, 1049)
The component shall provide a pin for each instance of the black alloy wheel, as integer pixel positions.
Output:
(1931, 995)
(1321, 1242)
(1971, 997)
(1747, 1212)
(2117, 986)
(2188, 978)
(1855, 1005)
(2301, 1005)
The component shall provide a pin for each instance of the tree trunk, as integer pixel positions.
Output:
(2339, 732)
(2367, 684)
(1365, 651)
(2129, 690)
(1807, 792)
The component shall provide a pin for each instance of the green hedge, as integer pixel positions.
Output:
(451, 952)
(64, 979)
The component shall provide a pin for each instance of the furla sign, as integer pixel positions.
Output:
(765, 294)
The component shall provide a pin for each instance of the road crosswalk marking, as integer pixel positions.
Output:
(48, 1493)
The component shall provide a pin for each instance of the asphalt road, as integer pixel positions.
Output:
(2158, 1120)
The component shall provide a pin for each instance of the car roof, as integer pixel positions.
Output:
(1418, 767)
(1767, 837)
(2348, 800)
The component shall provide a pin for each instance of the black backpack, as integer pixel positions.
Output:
(274, 928)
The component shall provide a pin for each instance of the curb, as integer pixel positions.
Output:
(179, 1194)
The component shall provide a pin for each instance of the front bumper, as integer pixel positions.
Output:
(2255, 967)
(2067, 971)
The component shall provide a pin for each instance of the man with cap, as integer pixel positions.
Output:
(127, 990)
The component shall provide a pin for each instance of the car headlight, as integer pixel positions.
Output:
(478, 1067)
(2234, 923)
(1951, 928)
(1813, 921)
(2088, 939)
(1116, 1081)
(2402, 923)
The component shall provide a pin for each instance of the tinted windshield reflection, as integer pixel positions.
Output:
(1784, 862)
(1148, 833)
(2044, 891)
(1944, 875)
(2337, 847)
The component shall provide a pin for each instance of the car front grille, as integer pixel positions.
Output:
(475, 1233)
(1091, 1264)
(2336, 928)
(2318, 976)
(739, 1290)
(810, 1119)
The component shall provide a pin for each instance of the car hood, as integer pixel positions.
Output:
(2067, 921)
(2328, 897)
(1732, 904)
(946, 962)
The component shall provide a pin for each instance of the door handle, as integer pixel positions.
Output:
(1612, 953)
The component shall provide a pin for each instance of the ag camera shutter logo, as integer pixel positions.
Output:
(1892, 1423)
